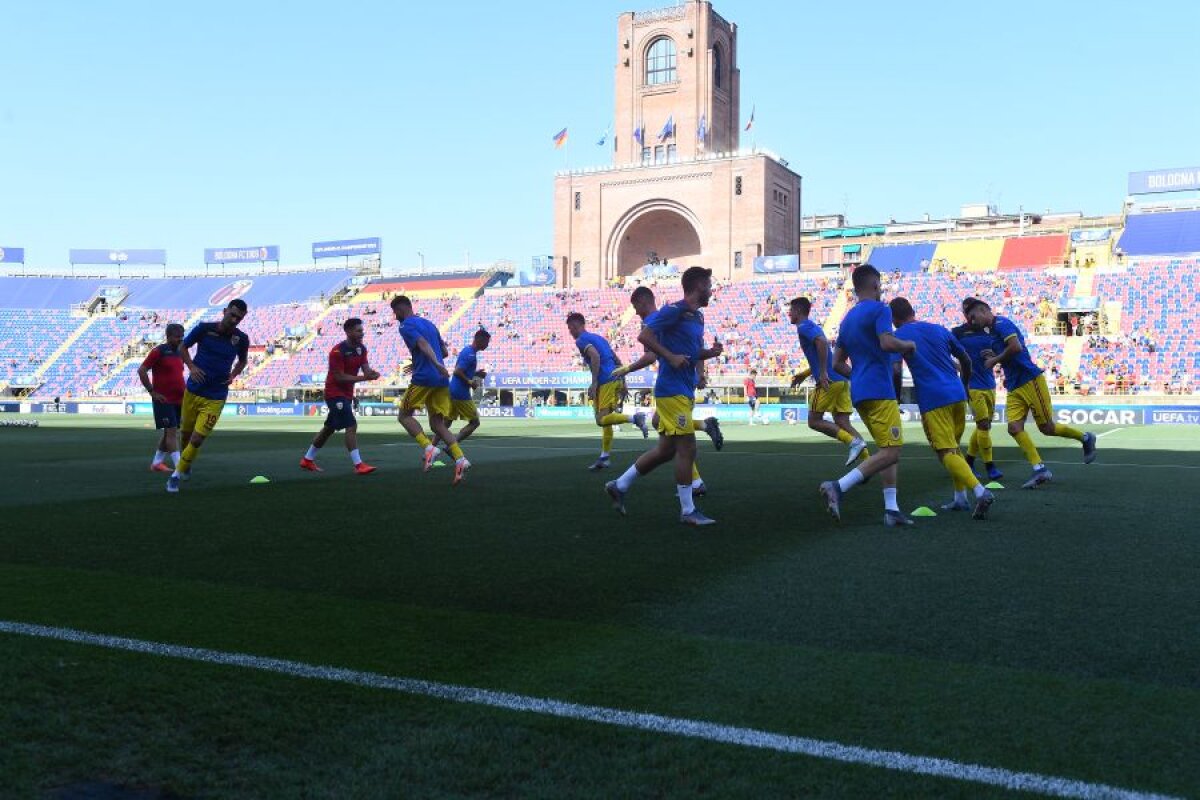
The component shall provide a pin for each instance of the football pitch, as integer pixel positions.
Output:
(389, 635)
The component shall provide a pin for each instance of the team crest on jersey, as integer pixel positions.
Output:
(340, 405)
(895, 432)
(681, 421)
(358, 350)
(234, 340)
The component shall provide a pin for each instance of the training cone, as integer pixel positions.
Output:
(260, 479)
(437, 464)
(924, 511)
(994, 485)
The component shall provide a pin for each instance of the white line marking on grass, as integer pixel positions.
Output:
(653, 723)
(1109, 433)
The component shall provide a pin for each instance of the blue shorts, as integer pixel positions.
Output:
(166, 415)
(752, 402)
(341, 414)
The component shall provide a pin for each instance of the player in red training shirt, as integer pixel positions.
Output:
(345, 361)
(162, 375)
(751, 389)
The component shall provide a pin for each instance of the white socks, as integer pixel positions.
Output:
(605, 454)
(851, 479)
(980, 490)
(889, 500)
(686, 506)
(627, 478)
(960, 497)
(355, 457)
(176, 456)
(696, 484)
(311, 455)
(159, 457)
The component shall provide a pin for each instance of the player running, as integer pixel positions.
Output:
(1027, 391)
(162, 375)
(942, 398)
(832, 395)
(465, 379)
(676, 334)
(981, 393)
(644, 305)
(867, 340)
(218, 346)
(345, 361)
(605, 390)
(429, 388)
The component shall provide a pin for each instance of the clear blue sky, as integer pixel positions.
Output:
(161, 124)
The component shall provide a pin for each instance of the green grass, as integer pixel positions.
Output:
(1062, 636)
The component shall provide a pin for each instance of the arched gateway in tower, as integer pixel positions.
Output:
(680, 190)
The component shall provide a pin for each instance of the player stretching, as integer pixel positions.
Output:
(866, 338)
(832, 395)
(676, 334)
(218, 345)
(750, 388)
(644, 305)
(430, 386)
(604, 391)
(463, 382)
(942, 399)
(165, 366)
(1027, 391)
(345, 361)
(981, 393)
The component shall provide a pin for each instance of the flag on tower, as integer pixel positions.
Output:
(560, 138)
(702, 133)
(750, 124)
(639, 134)
(668, 130)
(604, 136)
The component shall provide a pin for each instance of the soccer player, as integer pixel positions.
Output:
(832, 395)
(644, 305)
(346, 360)
(675, 333)
(604, 391)
(430, 386)
(750, 387)
(942, 398)
(867, 340)
(464, 381)
(981, 393)
(1027, 391)
(218, 346)
(162, 375)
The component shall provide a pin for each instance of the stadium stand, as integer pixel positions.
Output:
(1155, 350)
(1032, 252)
(974, 255)
(902, 257)
(1168, 233)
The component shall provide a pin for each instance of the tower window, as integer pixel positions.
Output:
(737, 259)
(660, 61)
(577, 271)
(717, 66)
(737, 185)
(577, 200)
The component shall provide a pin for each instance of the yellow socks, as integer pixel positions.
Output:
(956, 465)
(615, 419)
(422, 440)
(456, 451)
(1067, 432)
(606, 436)
(984, 439)
(1028, 448)
(695, 472)
(844, 436)
(186, 458)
